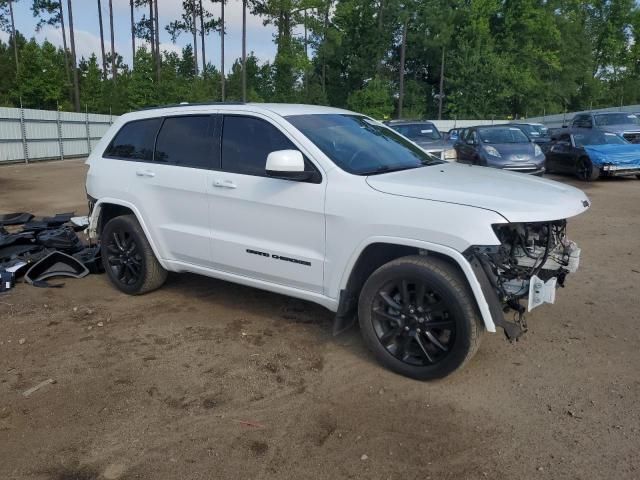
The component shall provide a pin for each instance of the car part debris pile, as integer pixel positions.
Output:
(40, 249)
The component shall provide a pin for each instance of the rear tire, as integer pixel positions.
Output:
(419, 318)
(128, 258)
(586, 170)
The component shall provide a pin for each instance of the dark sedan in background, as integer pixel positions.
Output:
(427, 136)
(501, 146)
(590, 153)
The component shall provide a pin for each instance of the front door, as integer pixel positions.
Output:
(466, 150)
(262, 227)
(560, 157)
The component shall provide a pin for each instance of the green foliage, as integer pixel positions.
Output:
(40, 82)
(502, 58)
(91, 84)
(374, 99)
(234, 80)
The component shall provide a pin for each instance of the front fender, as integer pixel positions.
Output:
(455, 256)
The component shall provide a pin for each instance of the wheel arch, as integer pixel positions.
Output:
(376, 252)
(106, 209)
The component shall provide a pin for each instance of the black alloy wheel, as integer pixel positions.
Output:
(419, 318)
(128, 257)
(586, 170)
(412, 322)
(123, 257)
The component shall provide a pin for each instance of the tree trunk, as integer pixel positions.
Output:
(324, 41)
(403, 49)
(114, 72)
(244, 50)
(133, 36)
(379, 53)
(441, 96)
(64, 47)
(194, 31)
(104, 58)
(306, 56)
(15, 40)
(157, 29)
(222, 82)
(76, 85)
(204, 58)
(152, 34)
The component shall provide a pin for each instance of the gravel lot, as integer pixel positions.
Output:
(205, 379)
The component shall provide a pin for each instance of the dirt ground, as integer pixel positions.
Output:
(205, 379)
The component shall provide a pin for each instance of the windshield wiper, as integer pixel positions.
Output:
(386, 169)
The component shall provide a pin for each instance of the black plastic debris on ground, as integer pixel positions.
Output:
(56, 264)
(44, 248)
(15, 218)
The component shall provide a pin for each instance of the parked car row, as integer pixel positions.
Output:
(595, 145)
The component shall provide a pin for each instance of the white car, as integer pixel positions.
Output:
(335, 208)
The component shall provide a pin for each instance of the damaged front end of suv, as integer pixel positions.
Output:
(523, 272)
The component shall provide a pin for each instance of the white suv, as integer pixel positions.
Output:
(332, 207)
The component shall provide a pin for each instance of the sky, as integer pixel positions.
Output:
(87, 32)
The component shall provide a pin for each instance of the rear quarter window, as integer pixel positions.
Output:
(135, 140)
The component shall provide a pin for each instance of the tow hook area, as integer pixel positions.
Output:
(518, 327)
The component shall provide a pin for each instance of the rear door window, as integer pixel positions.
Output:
(135, 140)
(186, 141)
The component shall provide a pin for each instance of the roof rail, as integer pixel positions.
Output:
(186, 104)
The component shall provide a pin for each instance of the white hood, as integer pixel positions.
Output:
(515, 196)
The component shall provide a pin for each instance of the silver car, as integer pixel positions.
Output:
(501, 146)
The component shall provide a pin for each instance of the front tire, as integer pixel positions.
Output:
(419, 318)
(128, 258)
(586, 170)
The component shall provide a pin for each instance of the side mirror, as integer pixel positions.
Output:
(470, 141)
(287, 164)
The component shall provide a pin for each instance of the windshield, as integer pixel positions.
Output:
(617, 119)
(359, 145)
(502, 135)
(418, 131)
(597, 138)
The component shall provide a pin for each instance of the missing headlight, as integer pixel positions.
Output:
(527, 251)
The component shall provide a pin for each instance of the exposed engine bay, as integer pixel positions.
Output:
(531, 262)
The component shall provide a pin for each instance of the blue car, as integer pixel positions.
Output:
(590, 154)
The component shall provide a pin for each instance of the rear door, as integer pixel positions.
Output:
(262, 227)
(129, 150)
(170, 190)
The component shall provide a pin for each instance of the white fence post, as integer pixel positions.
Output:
(23, 132)
(59, 126)
(86, 122)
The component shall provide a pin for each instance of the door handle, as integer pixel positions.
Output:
(145, 173)
(224, 184)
